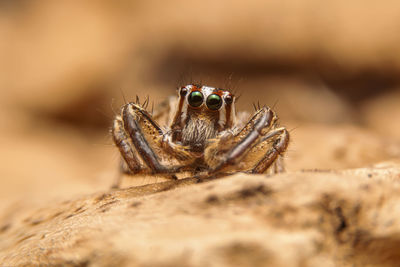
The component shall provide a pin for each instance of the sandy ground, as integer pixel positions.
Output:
(330, 72)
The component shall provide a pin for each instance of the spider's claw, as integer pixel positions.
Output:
(137, 100)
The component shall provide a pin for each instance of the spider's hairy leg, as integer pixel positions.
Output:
(229, 150)
(277, 140)
(134, 118)
(130, 163)
(144, 139)
(279, 165)
(125, 146)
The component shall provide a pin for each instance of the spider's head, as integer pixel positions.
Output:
(201, 113)
(207, 103)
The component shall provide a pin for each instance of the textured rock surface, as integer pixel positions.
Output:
(341, 218)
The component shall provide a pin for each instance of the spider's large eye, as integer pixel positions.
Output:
(195, 99)
(214, 102)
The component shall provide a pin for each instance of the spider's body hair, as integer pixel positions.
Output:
(198, 129)
(193, 126)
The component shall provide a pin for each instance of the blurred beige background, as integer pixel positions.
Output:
(330, 68)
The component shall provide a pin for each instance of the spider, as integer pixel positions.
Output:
(203, 136)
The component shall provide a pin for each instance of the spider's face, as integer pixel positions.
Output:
(207, 103)
(201, 113)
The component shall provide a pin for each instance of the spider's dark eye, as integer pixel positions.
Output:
(214, 102)
(183, 91)
(228, 99)
(195, 99)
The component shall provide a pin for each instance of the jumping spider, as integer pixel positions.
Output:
(203, 137)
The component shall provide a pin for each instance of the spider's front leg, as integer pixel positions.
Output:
(255, 148)
(143, 145)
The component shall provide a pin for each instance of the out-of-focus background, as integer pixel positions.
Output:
(330, 69)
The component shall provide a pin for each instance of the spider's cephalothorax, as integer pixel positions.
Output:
(201, 113)
(202, 136)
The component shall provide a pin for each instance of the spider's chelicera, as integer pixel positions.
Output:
(202, 137)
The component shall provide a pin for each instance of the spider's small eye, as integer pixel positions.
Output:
(183, 91)
(228, 99)
(195, 99)
(214, 102)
